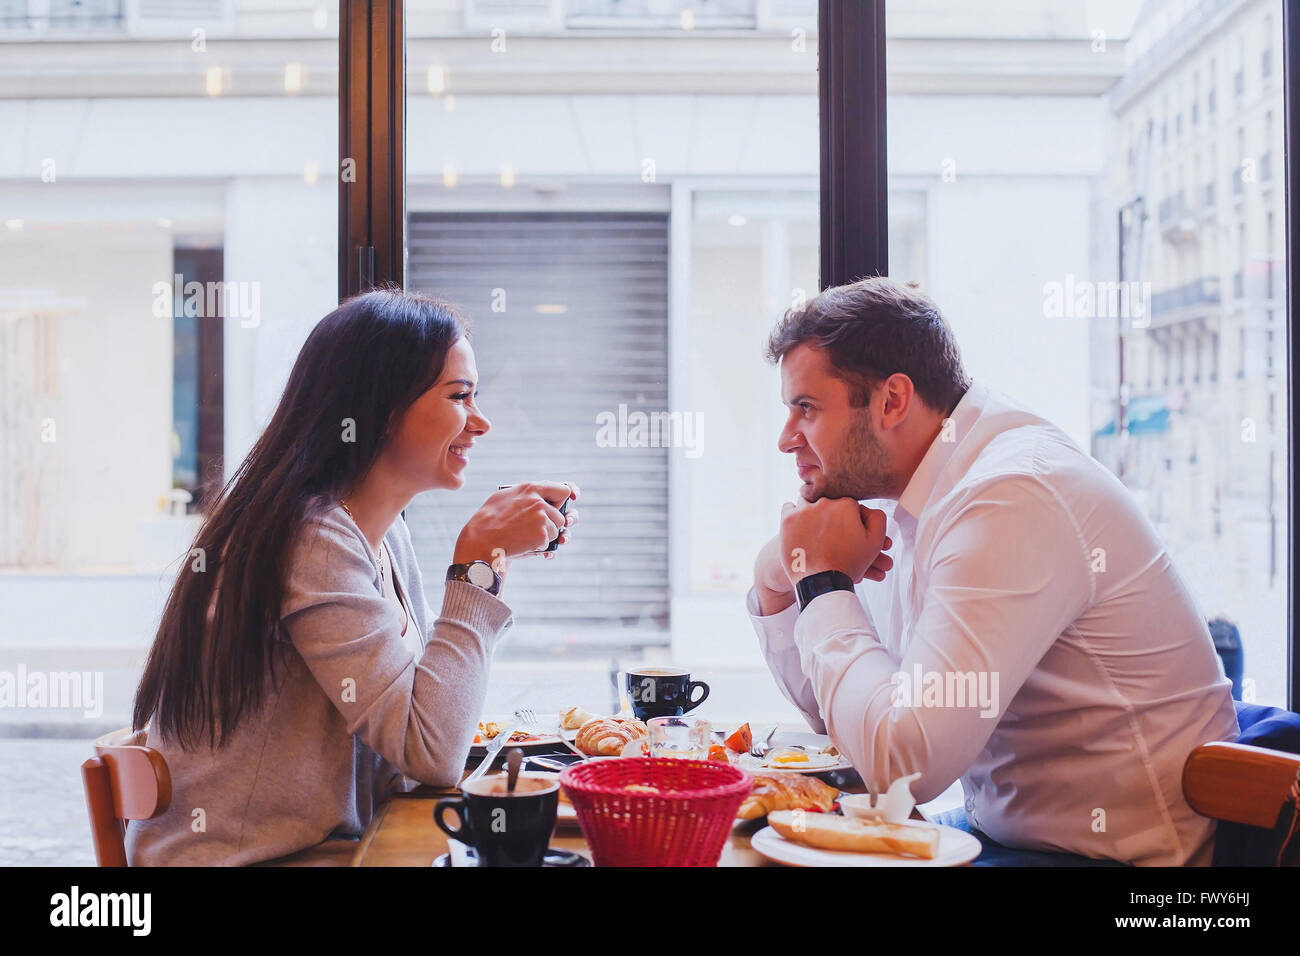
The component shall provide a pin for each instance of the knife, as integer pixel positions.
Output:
(493, 749)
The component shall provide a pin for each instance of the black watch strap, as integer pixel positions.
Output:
(821, 583)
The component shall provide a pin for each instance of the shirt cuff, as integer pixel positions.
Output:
(774, 630)
(776, 641)
(827, 616)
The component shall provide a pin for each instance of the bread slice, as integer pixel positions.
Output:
(830, 832)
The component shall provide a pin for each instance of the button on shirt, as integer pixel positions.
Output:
(1033, 640)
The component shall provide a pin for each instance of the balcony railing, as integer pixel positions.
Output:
(35, 17)
(662, 13)
(1191, 295)
(558, 15)
(1265, 168)
(1172, 208)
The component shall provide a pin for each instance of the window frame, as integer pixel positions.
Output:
(855, 198)
(854, 173)
(1291, 85)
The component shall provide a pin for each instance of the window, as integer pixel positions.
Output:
(198, 374)
(633, 230)
(1266, 55)
(1238, 68)
(148, 367)
(1039, 230)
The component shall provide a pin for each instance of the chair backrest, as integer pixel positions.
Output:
(1238, 782)
(1254, 794)
(125, 780)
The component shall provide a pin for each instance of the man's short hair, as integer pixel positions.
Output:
(871, 329)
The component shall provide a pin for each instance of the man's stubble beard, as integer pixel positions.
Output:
(861, 469)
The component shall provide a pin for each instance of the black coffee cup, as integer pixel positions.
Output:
(505, 829)
(663, 692)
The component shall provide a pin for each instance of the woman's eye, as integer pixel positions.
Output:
(461, 396)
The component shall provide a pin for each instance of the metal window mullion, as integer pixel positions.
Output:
(854, 173)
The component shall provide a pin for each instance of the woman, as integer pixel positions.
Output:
(298, 675)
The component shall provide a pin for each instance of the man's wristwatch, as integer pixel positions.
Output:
(820, 583)
(478, 573)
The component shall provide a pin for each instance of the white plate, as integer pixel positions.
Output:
(754, 767)
(548, 727)
(783, 739)
(955, 848)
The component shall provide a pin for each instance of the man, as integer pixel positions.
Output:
(1030, 636)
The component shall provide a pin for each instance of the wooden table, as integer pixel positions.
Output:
(403, 833)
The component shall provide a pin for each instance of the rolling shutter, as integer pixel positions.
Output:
(583, 330)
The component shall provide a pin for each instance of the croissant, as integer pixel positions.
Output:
(606, 736)
(786, 791)
(574, 717)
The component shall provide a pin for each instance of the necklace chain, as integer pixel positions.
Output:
(383, 557)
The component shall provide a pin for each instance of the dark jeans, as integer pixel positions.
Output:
(995, 854)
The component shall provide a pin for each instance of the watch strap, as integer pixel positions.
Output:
(821, 583)
(461, 572)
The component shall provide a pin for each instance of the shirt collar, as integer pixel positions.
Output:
(917, 493)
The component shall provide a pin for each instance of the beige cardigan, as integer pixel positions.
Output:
(356, 715)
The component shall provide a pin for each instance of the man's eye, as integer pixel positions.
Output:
(805, 406)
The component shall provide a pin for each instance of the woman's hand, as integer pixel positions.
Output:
(517, 520)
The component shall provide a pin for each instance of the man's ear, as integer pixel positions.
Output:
(899, 397)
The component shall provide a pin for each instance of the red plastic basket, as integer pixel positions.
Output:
(684, 823)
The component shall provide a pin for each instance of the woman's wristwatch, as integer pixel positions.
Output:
(478, 573)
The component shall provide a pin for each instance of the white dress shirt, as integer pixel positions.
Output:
(1032, 639)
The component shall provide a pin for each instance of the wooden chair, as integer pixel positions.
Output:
(1239, 783)
(125, 780)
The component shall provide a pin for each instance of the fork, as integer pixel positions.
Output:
(763, 743)
(529, 719)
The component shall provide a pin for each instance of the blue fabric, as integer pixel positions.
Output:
(1236, 844)
(1270, 727)
(995, 854)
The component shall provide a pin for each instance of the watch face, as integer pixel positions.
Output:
(481, 575)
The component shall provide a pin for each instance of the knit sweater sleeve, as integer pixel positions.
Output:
(418, 713)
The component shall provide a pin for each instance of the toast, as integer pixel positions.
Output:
(829, 832)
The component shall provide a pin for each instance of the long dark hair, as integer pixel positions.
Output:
(367, 362)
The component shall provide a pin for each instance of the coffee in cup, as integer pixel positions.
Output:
(506, 829)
